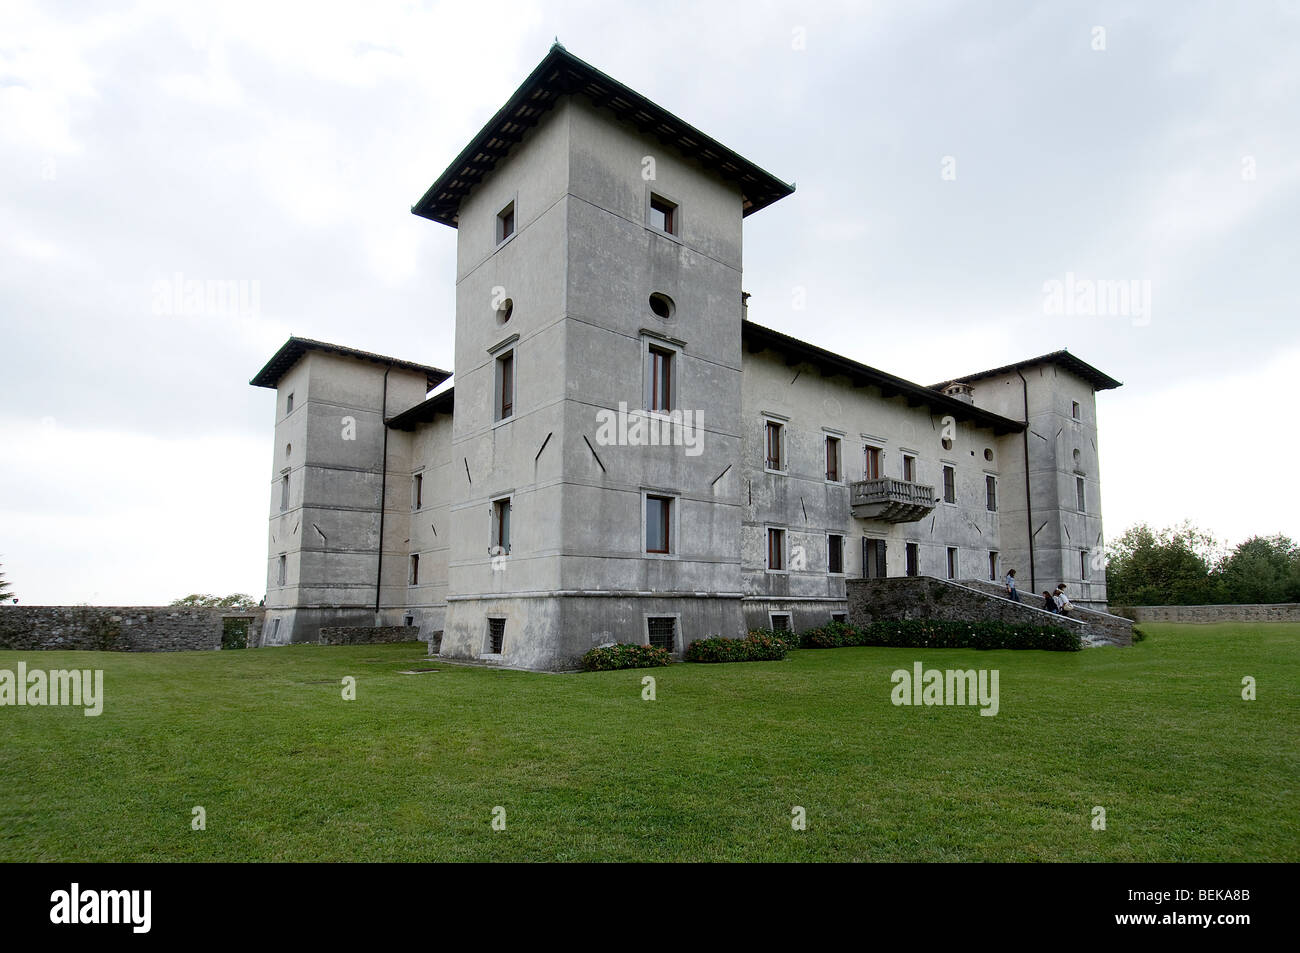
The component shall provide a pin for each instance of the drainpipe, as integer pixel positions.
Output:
(383, 491)
(1029, 504)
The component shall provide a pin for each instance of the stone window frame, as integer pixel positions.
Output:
(498, 352)
(487, 653)
(827, 436)
(654, 341)
(844, 567)
(674, 522)
(652, 191)
(785, 549)
(498, 223)
(771, 619)
(678, 637)
(943, 487)
(783, 451)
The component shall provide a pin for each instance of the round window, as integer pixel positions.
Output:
(662, 305)
(988, 453)
(504, 310)
(947, 443)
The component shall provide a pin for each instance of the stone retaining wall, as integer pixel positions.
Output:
(119, 628)
(1277, 612)
(364, 634)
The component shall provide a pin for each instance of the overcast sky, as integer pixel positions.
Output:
(951, 159)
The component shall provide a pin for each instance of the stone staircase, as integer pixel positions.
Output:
(1104, 627)
(926, 597)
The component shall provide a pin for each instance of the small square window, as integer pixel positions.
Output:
(663, 214)
(780, 621)
(505, 223)
(661, 631)
(839, 617)
(496, 636)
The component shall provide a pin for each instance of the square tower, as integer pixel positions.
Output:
(596, 436)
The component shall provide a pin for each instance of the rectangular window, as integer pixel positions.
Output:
(1083, 565)
(833, 459)
(775, 437)
(417, 491)
(496, 636)
(949, 484)
(991, 493)
(661, 379)
(873, 558)
(661, 632)
(1078, 492)
(658, 524)
(993, 567)
(839, 617)
(835, 551)
(501, 527)
(505, 223)
(415, 570)
(952, 562)
(284, 493)
(505, 386)
(780, 621)
(872, 466)
(909, 468)
(282, 571)
(776, 549)
(663, 214)
(912, 557)
(288, 405)
(1074, 409)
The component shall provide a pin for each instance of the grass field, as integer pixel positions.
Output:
(285, 769)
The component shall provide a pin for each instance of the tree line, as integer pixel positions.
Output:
(1182, 565)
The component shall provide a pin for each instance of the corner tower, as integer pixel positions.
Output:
(596, 437)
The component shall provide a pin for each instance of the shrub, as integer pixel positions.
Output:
(1138, 635)
(786, 637)
(833, 635)
(758, 646)
(608, 658)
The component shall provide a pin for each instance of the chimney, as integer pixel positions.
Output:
(962, 392)
(744, 306)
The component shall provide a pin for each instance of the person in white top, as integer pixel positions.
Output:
(1063, 603)
(1010, 582)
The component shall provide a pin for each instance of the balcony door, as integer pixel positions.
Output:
(873, 559)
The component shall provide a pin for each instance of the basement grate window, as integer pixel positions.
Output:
(662, 632)
(496, 635)
(780, 622)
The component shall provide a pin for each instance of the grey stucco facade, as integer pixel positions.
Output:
(598, 280)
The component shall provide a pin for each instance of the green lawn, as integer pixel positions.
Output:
(411, 770)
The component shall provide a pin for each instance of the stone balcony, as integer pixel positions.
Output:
(893, 501)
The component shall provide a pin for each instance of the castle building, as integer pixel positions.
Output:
(625, 457)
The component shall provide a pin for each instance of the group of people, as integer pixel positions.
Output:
(1057, 601)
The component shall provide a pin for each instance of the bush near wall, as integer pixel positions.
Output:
(757, 646)
(610, 658)
(943, 634)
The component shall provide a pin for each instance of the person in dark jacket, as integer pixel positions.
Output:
(1049, 604)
